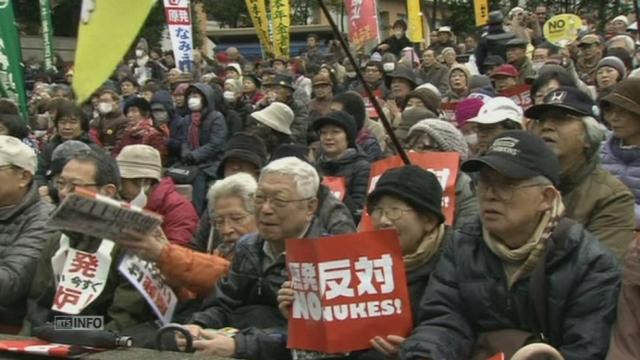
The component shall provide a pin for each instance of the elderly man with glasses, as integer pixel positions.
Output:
(521, 272)
(285, 202)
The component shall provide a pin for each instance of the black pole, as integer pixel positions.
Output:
(635, 7)
(433, 16)
(372, 98)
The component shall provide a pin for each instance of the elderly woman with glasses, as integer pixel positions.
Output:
(232, 214)
(440, 136)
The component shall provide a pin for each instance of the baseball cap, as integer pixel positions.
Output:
(15, 152)
(590, 39)
(498, 109)
(518, 154)
(567, 98)
(505, 70)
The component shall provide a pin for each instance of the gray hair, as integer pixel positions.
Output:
(241, 185)
(594, 135)
(304, 175)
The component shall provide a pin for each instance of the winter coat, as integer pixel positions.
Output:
(300, 122)
(354, 168)
(601, 203)
(493, 43)
(468, 294)
(369, 145)
(213, 133)
(466, 201)
(143, 132)
(437, 46)
(624, 163)
(236, 117)
(120, 303)
(177, 126)
(44, 158)
(437, 75)
(107, 130)
(396, 45)
(180, 217)
(247, 300)
(525, 71)
(23, 235)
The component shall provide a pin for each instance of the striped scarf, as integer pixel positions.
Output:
(521, 261)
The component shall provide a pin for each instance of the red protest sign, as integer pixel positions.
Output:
(520, 94)
(449, 110)
(348, 289)
(445, 165)
(363, 22)
(337, 185)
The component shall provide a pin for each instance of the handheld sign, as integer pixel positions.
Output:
(562, 29)
(337, 185)
(348, 289)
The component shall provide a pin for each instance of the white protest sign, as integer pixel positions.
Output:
(178, 15)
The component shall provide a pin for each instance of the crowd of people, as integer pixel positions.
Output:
(233, 155)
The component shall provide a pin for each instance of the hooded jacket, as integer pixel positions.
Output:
(179, 215)
(624, 163)
(468, 294)
(23, 235)
(213, 132)
(177, 125)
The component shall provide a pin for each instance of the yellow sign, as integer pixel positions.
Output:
(258, 12)
(415, 31)
(105, 33)
(481, 8)
(562, 29)
(281, 19)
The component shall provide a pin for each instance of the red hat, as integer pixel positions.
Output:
(505, 70)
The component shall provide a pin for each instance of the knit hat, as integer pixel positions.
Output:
(246, 147)
(409, 118)
(462, 68)
(430, 99)
(138, 102)
(467, 109)
(445, 135)
(429, 86)
(622, 18)
(448, 50)
(277, 116)
(624, 94)
(16, 153)
(63, 153)
(342, 120)
(613, 62)
(139, 161)
(412, 184)
(479, 81)
(296, 150)
(234, 67)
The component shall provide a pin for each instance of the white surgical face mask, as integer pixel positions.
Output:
(195, 104)
(141, 199)
(351, 74)
(388, 67)
(536, 66)
(105, 108)
(471, 139)
(139, 53)
(229, 96)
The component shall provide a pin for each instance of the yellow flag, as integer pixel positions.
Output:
(482, 12)
(107, 29)
(258, 13)
(415, 31)
(280, 17)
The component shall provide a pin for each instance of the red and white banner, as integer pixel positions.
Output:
(520, 94)
(363, 22)
(178, 15)
(449, 111)
(348, 289)
(445, 165)
(337, 185)
(45, 348)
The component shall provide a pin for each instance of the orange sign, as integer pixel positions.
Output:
(337, 185)
(520, 94)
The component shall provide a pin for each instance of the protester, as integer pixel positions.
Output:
(251, 89)
(273, 125)
(517, 56)
(140, 129)
(401, 82)
(610, 71)
(504, 78)
(434, 72)
(620, 153)
(322, 94)
(589, 55)
(107, 129)
(550, 77)
(459, 77)
(368, 134)
(566, 121)
(398, 41)
(373, 76)
(237, 107)
(312, 54)
(494, 117)
(23, 230)
(281, 89)
(118, 301)
(492, 270)
(285, 201)
(494, 43)
(444, 39)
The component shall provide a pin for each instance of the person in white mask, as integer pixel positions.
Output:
(108, 127)
(143, 185)
(238, 107)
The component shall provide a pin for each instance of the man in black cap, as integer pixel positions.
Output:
(401, 82)
(517, 56)
(521, 253)
(280, 89)
(495, 41)
(397, 41)
(566, 121)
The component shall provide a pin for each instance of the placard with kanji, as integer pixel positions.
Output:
(348, 289)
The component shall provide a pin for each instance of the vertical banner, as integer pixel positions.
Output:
(107, 29)
(481, 10)
(47, 34)
(11, 67)
(363, 22)
(415, 21)
(258, 13)
(281, 19)
(178, 17)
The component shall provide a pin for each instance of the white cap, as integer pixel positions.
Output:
(498, 110)
(15, 152)
(622, 18)
(277, 116)
(445, 29)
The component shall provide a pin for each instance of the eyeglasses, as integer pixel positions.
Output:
(260, 200)
(392, 214)
(71, 187)
(233, 220)
(502, 191)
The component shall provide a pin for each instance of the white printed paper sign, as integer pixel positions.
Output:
(178, 16)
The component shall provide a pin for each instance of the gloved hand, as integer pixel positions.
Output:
(189, 159)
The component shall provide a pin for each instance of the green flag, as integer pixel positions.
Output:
(11, 67)
(47, 41)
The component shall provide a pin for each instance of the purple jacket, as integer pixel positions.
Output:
(624, 163)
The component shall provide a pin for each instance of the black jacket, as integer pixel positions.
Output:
(468, 294)
(396, 45)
